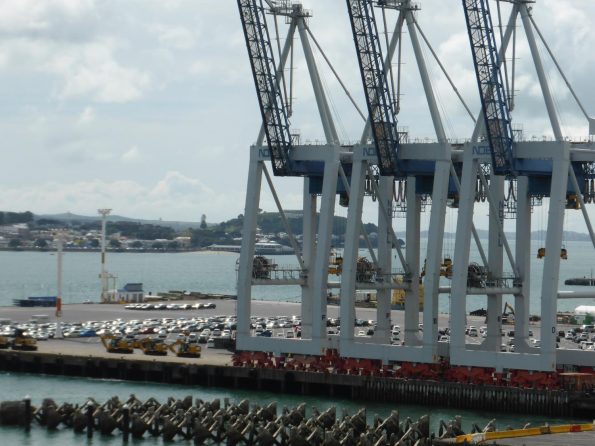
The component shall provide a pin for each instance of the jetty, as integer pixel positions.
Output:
(215, 369)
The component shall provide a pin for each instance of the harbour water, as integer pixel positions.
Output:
(23, 274)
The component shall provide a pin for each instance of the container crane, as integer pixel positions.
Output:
(270, 99)
(496, 114)
(554, 169)
(378, 97)
(318, 165)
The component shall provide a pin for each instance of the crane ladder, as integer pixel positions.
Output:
(489, 78)
(271, 102)
(378, 97)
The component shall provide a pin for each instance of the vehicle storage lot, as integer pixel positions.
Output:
(192, 315)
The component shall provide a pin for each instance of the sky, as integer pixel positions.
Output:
(148, 106)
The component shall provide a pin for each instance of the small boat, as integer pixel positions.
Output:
(580, 281)
(36, 301)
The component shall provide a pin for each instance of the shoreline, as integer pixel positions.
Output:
(108, 250)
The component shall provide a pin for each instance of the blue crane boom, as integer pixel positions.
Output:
(378, 96)
(489, 78)
(272, 104)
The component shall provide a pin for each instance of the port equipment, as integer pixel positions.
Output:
(4, 342)
(558, 170)
(317, 165)
(153, 346)
(508, 314)
(185, 349)
(23, 341)
(496, 115)
(403, 177)
(104, 275)
(117, 344)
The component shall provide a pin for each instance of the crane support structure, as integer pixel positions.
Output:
(378, 96)
(271, 101)
(487, 64)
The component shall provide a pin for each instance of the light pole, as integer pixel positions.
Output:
(59, 241)
(104, 277)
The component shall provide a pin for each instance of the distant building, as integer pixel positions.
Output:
(183, 241)
(131, 292)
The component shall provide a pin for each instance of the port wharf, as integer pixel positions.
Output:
(87, 358)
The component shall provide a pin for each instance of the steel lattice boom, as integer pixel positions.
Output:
(489, 78)
(270, 99)
(378, 96)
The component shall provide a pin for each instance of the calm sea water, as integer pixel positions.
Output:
(24, 274)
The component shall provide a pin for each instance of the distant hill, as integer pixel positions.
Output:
(69, 217)
(268, 221)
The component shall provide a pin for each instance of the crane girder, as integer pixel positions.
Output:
(272, 104)
(498, 127)
(378, 96)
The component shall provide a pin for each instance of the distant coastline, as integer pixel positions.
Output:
(109, 250)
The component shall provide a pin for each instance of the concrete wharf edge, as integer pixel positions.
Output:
(364, 388)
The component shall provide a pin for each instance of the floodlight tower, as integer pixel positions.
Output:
(60, 243)
(104, 276)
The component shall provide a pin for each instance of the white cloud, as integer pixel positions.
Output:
(175, 196)
(87, 116)
(63, 38)
(91, 70)
(98, 90)
(176, 37)
(131, 155)
(49, 18)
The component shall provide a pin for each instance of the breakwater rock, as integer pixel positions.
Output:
(214, 422)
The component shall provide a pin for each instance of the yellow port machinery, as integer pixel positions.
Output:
(22, 341)
(185, 349)
(153, 346)
(117, 344)
(4, 342)
(508, 314)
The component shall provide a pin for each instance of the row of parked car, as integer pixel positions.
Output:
(163, 306)
(195, 328)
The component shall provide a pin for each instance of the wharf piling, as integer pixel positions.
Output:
(547, 402)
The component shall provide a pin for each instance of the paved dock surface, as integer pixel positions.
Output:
(102, 312)
(570, 439)
(92, 347)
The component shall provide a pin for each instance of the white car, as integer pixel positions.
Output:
(72, 334)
